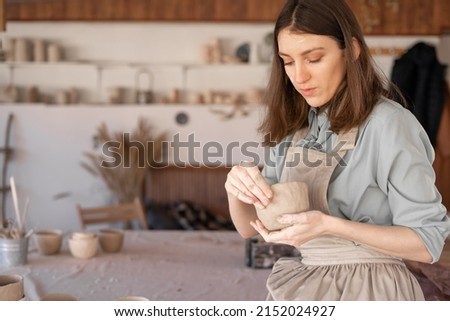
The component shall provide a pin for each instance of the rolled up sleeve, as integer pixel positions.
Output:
(406, 175)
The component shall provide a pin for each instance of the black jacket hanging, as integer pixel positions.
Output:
(421, 79)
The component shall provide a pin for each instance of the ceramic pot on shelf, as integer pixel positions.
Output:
(39, 50)
(21, 50)
(53, 53)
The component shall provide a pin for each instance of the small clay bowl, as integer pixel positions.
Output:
(111, 240)
(48, 242)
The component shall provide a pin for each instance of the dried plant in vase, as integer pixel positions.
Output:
(128, 159)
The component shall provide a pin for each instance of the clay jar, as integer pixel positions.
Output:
(288, 198)
(111, 240)
(48, 242)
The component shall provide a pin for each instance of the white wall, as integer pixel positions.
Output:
(49, 139)
(49, 143)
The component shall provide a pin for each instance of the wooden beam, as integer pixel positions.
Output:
(145, 10)
(2, 15)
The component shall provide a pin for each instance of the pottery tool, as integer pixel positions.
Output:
(24, 216)
(16, 203)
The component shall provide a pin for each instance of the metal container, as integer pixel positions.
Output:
(13, 252)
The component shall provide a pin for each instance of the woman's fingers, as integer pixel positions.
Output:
(302, 228)
(267, 235)
(272, 236)
(232, 189)
(259, 180)
(248, 185)
(253, 183)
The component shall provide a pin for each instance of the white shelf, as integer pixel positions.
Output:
(112, 64)
(211, 107)
(94, 79)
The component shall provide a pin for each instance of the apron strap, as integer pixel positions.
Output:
(348, 139)
(299, 135)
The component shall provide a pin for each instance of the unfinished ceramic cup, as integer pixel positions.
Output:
(48, 242)
(288, 198)
(111, 240)
(11, 287)
(83, 245)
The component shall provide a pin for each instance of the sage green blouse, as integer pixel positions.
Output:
(387, 179)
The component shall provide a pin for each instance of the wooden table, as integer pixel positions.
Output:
(159, 265)
(175, 265)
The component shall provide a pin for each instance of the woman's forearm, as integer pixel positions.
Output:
(397, 241)
(242, 214)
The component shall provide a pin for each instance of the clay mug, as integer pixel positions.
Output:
(10, 50)
(62, 97)
(73, 95)
(53, 53)
(116, 95)
(32, 94)
(21, 50)
(38, 50)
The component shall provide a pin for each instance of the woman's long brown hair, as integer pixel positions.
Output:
(363, 86)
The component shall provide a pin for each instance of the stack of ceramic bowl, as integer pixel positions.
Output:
(48, 242)
(111, 240)
(83, 245)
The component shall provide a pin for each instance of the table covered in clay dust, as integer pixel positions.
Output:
(158, 265)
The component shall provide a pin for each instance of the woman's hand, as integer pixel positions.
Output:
(246, 183)
(303, 227)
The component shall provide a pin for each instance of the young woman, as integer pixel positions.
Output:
(375, 202)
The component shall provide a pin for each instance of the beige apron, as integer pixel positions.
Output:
(332, 268)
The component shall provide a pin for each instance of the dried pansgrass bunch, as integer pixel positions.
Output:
(129, 157)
